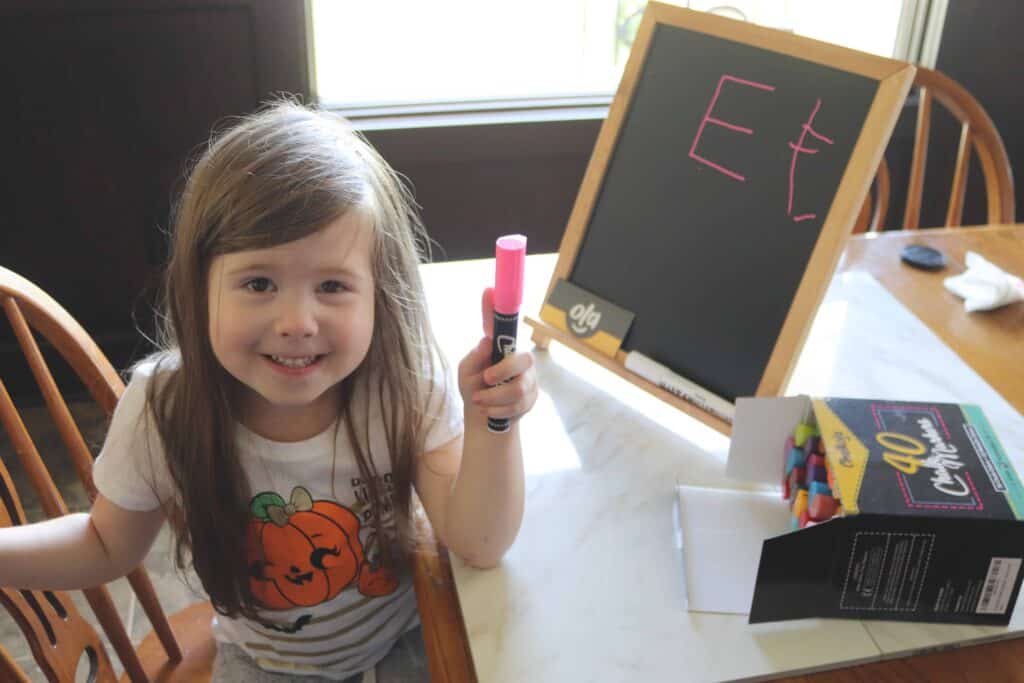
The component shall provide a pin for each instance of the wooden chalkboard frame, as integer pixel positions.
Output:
(894, 80)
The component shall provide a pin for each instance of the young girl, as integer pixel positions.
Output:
(298, 400)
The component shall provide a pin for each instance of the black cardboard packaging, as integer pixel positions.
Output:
(931, 527)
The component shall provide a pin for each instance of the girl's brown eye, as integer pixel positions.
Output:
(258, 284)
(332, 287)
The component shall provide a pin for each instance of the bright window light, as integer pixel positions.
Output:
(409, 51)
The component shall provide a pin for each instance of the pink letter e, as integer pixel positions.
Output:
(718, 122)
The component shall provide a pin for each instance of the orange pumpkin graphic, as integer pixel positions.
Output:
(302, 553)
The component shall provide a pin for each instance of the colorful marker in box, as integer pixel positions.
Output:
(807, 481)
(815, 469)
(821, 505)
(802, 432)
(797, 481)
(793, 457)
(795, 454)
(813, 445)
(799, 508)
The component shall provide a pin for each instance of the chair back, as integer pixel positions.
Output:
(56, 633)
(977, 133)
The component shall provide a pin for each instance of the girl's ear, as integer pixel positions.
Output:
(487, 310)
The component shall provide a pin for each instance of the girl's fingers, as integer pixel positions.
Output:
(477, 359)
(509, 399)
(511, 382)
(514, 410)
(508, 368)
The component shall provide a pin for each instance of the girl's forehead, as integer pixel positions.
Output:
(346, 242)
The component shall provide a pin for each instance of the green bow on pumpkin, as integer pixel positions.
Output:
(271, 507)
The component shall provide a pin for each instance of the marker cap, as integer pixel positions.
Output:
(802, 431)
(510, 255)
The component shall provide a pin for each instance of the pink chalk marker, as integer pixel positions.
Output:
(510, 255)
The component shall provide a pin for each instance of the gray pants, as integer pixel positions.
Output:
(406, 663)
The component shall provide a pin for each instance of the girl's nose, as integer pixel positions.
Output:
(296, 320)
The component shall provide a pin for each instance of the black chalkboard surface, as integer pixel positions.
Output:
(734, 214)
(723, 184)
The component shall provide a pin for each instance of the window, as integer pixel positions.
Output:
(394, 52)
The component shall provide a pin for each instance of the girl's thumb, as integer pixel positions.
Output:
(487, 311)
(483, 349)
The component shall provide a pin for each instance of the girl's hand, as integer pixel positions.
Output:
(516, 380)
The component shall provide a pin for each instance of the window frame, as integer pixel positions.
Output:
(917, 40)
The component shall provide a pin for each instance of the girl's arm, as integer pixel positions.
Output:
(472, 488)
(78, 550)
(474, 501)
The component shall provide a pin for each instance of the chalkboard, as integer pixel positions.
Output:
(722, 187)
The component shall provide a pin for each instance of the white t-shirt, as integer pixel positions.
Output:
(330, 610)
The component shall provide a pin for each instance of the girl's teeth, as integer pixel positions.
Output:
(294, 362)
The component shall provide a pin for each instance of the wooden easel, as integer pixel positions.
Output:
(894, 80)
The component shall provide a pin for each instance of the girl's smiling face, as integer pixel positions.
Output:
(290, 322)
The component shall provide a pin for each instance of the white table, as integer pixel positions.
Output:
(592, 588)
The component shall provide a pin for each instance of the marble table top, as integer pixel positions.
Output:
(592, 589)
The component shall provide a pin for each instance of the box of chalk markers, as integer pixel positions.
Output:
(907, 511)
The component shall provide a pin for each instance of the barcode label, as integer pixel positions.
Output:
(999, 582)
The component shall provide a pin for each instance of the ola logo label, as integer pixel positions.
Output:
(583, 320)
(594, 321)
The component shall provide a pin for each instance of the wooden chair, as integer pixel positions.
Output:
(57, 634)
(976, 131)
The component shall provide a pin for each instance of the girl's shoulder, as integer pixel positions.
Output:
(129, 468)
(155, 369)
(157, 362)
(158, 366)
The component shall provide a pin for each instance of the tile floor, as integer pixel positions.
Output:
(172, 590)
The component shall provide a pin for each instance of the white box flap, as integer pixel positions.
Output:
(759, 436)
(722, 532)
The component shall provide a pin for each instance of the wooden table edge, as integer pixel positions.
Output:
(444, 631)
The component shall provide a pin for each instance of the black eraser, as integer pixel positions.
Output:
(923, 257)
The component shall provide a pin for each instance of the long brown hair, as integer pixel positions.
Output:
(271, 178)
